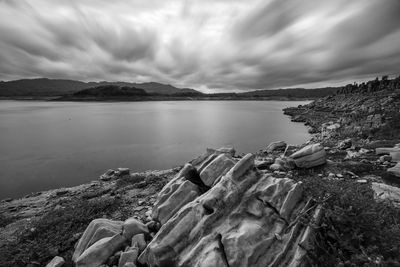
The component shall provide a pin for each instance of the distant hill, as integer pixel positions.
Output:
(294, 92)
(111, 91)
(51, 87)
(40, 87)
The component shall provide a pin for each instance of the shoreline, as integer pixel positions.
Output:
(351, 163)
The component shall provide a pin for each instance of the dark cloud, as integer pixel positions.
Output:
(209, 45)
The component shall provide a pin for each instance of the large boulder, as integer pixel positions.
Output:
(100, 251)
(96, 230)
(275, 146)
(129, 256)
(175, 195)
(216, 168)
(248, 218)
(309, 156)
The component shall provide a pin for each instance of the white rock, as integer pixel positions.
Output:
(310, 156)
(133, 227)
(56, 262)
(216, 168)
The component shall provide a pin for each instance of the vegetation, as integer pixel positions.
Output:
(56, 232)
(356, 230)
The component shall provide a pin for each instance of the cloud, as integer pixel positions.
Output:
(209, 45)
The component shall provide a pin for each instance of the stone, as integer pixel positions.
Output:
(123, 171)
(386, 150)
(236, 223)
(395, 156)
(56, 262)
(345, 144)
(132, 227)
(276, 167)
(108, 175)
(310, 156)
(387, 192)
(96, 230)
(275, 146)
(129, 256)
(385, 158)
(100, 251)
(362, 181)
(216, 168)
(140, 241)
(395, 170)
(223, 150)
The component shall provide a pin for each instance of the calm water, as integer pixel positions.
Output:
(47, 145)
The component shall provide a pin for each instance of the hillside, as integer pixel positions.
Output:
(50, 87)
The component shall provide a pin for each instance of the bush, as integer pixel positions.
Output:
(53, 233)
(356, 230)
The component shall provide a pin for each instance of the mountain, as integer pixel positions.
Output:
(40, 87)
(51, 87)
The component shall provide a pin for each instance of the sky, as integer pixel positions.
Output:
(209, 45)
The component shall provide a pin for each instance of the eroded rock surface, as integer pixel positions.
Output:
(247, 219)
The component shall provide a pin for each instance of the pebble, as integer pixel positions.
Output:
(362, 181)
(338, 175)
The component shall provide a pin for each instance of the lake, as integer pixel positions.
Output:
(45, 145)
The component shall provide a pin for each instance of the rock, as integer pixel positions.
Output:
(331, 175)
(362, 181)
(223, 150)
(96, 230)
(100, 251)
(216, 168)
(338, 175)
(384, 191)
(122, 171)
(310, 156)
(56, 262)
(276, 167)
(132, 227)
(275, 146)
(395, 170)
(139, 241)
(386, 150)
(108, 175)
(236, 223)
(129, 256)
(395, 156)
(174, 195)
(345, 144)
(385, 158)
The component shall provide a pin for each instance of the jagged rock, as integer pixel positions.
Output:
(100, 251)
(345, 144)
(236, 223)
(132, 227)
(129, 256)
(174, 195)
(216, 168)
(384, 191)
(309, 156)
(139, 241)
(56, 262)
(275, 146)
(385, 158)
(395, 170)
(96, 230)
(200, 162)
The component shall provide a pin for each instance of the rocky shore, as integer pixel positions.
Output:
(331, 202)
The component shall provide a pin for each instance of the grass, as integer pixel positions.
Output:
(53, 233)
